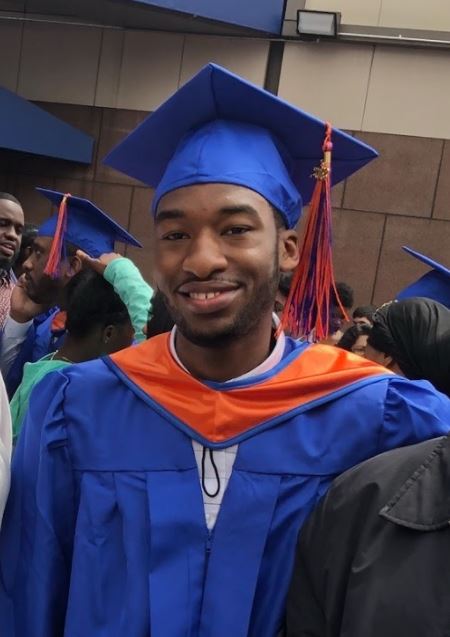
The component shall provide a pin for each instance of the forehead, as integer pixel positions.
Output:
(212, 199)
(11, 210)
(43, 243)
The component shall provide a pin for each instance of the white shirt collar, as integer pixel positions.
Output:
(269, 363)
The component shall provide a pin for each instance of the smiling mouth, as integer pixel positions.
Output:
(209, 301)
(204, 296)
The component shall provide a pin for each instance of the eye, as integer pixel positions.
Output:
(174, 236)
(235, 230)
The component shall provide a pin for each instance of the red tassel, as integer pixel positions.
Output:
(54, 258)
(313, 289)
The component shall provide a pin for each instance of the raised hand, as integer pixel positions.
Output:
(98, 265)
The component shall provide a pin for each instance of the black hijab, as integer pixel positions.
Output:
(416, 333)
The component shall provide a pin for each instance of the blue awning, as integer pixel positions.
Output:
(263, 15)
(28, 128)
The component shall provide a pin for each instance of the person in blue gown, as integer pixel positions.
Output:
(159, 492)
(36, 326)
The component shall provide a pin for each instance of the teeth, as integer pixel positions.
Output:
(203, 296)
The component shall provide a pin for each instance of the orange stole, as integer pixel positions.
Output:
(59, 322)
(220, 414)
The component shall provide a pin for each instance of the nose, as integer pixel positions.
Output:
(27, 265)
(12, 234)
(205, 256)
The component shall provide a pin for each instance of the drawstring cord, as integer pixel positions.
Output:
(216, 473)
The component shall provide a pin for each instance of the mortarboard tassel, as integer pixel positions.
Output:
(54, 258)
(313, 288)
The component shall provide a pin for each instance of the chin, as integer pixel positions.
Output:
(6, 264)
(34, 297)
(214, 336)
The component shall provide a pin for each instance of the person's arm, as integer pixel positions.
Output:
(38, 526)
(22, 312)
(136, 293)
(14, 335)
(413, 412)
(127, 281)
(5, 447)
(305, 614)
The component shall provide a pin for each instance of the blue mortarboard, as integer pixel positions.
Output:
(435, 284)
(219, 128)
(86, 226)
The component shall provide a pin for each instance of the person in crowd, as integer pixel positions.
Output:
(346, 296)
(339, 312)
(435, 284)
(373, 557)
(29, 234)
(163, 488)
(355, 338)
(411, 338)
(11, 230)
(363, 314)
(5, 447)
(36, 325)
(102, 318)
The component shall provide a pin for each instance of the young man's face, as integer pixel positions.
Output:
(11, 228)
(40, 287)
(218, 256)
(362, 320)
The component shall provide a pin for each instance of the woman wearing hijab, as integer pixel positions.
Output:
(412, 338)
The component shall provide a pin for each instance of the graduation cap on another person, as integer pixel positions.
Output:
(434, 285)
(79, 222)
(219, 128)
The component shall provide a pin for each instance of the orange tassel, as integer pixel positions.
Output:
(313, 289)
(54, 258)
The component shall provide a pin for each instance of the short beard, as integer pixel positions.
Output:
(5, 267)
(244, 322)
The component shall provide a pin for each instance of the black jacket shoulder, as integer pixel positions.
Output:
(370, 558)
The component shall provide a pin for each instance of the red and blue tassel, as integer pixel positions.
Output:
(313, 291)
(55, 257)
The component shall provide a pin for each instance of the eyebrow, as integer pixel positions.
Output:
(170, 215)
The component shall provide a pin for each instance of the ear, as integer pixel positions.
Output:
(288, 250)
(75, 266)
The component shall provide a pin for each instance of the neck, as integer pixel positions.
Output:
(75, 350)
(60, 301)
(228, 361)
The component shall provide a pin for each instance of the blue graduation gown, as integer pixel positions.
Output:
(105, 533)
(40, 340)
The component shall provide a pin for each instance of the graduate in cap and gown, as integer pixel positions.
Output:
(159, 492)
(36, 326)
